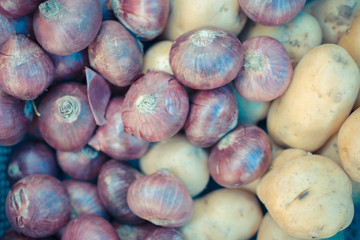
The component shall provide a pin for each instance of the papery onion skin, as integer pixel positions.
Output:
(6, 29)
(212, 114)
(111, 138)
(81, 165)
(133, 232)
(64, 27)
(11, 234)
(267, 70)
(155, 107)
(18, 8)
(240, 157)
(161, 198)
(206, 58)
(165, 234)
(113, 183)
(38, 206)
(66, 122)
(15, 118)
(273, 12)
(26, 70)
(89, 227)
(32, 157)
(116, 54)
(145, 18)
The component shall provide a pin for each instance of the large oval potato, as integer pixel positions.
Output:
(318, 100)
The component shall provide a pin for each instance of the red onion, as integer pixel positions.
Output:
(267, 70)
(69, 67)
(15, 119)
(212, 114)
(116, 54)
(89, 227)
(38, 206)
(66, 122)
(11, 234)
(111, 138)
(32, 157)
(155, 107)
(240, 157)
(82, 165)
(64, 27)
(113, 183)
(18, 8)
(107, 12)
(145, 18)
(6, 28)
(133, 232)
(25, 69)
(161, 198)
(99, 93)
(206, 58)
(273, 12)
(164, 234)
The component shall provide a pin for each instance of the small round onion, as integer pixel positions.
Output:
(66, 122)
(11, 234)
(38, 206)
(164, 234)
(206, 58)
(30, 158)
(82, 165)
(25, 69)
(15, 118)
(267, 70)
(116, 54)
(155, 107)
(212, 114)
(145, 18)
(240, 157)
(111, 138)
(133, 232)
(6, 29)
(18, 8)
(161, 198)
(64, 27)
(273, 12)
(113, 183)
(89, 227)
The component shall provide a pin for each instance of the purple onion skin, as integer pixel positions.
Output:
(133, 232)
(64, 27)
(116, 54)
(107, 12)
(145, 18)
(113, 183)
(70, 67)
(38, 206)
(6, 29)
(18, 8)
(240, 157)
(161, 198)
(11, 234)
(15, 119)
(32, 157)
(66, 122)
(155, 107)
(267, 70)
(26, 70)
(206, 58)
(165, 234)
(111, 138)
(212, 114)
(82, 165)
(272, 13)
(89, 227)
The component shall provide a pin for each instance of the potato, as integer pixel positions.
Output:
(318, 100)
(298, 36)
(226, 214)
(287, 155)
(185, 161)
(330, 149)
(190, 14)
(157, 57)
(308, 196)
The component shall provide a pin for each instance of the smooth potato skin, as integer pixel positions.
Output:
(319, 99)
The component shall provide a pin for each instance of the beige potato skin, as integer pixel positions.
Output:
(157, 57)
(298, 36)
(319, 99)
(330, 149)
(308, 197)
(190, 14)
(226, 214)
(185, 161)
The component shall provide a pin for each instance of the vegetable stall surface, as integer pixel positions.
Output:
(179, 119)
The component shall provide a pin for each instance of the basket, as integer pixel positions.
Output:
(4, 187)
